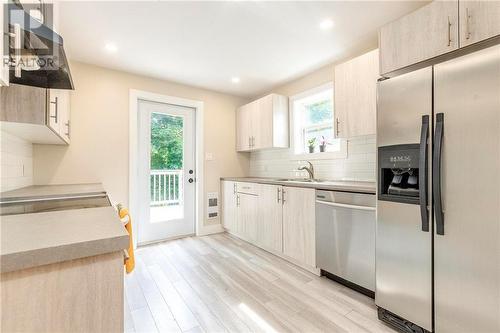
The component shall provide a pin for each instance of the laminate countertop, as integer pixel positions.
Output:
(333, 185)
(52, 191)
(47, 237)
(30, 240)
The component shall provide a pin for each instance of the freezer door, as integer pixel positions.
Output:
(403, 250)
(467, 254)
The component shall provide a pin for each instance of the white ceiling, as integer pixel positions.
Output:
(205, 44)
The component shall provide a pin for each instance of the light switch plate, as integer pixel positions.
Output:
(209, 157)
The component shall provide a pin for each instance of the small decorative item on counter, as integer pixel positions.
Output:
(311, 143)
(322, 144)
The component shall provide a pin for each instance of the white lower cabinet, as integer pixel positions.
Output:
(229, 204)
(299, 225)
(279, 219)
(270, 218)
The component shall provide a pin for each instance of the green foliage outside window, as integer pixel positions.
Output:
(166, 142)
(320, 112)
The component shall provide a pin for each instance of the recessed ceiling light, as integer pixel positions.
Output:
(110, 47)
(326, 24)
(235, 80)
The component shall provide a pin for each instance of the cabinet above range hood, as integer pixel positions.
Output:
(36, 52)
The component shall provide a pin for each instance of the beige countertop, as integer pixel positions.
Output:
(345, 186)
(30, 240)
(51, 191)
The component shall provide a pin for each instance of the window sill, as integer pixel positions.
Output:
(328, 155)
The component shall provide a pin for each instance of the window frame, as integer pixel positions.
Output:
(296, 130)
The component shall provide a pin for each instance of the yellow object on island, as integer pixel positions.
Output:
(125, 216)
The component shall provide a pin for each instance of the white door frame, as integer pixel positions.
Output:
(135, 96)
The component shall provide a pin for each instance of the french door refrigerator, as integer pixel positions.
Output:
(438, 201)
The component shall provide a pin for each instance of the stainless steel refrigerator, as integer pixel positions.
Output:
(438, 200)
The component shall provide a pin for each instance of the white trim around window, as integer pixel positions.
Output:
(340, 154)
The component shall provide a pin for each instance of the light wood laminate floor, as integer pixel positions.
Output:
(219, 283)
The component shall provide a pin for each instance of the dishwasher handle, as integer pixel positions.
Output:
(336, 204)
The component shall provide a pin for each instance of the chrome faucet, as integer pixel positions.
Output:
(310, 170)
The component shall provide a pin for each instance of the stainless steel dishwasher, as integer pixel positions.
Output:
(345, 238)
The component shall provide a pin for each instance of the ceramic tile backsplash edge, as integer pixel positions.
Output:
(16, 162)
(359, 165)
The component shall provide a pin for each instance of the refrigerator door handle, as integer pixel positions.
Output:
(436, 174)
(424, 135)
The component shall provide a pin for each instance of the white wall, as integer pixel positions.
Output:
(100, 132)
(16, 162)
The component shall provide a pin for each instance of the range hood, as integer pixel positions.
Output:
(37, 53)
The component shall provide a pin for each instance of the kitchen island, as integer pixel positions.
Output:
(61, 270)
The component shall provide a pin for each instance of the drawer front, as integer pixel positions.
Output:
(249, 188)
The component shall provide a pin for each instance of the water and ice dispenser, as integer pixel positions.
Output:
(398, 168)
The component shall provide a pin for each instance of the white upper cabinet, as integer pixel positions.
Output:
(479, 20)
(4, 70)
(35, 114)
(355, 93)
(262, 124)
(59, 112)
(426, 33)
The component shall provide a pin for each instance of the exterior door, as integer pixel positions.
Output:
(467, 251)
(403, 249)
(166, 153)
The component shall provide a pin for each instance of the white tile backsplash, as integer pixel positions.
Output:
(16, 162)
(359, 165)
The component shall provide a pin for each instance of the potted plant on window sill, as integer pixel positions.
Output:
(311, 143)
(322, 144)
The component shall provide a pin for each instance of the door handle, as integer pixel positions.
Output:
(279, 192)
(422, 175)
(349, 206)
(190, 180)
(436, 173)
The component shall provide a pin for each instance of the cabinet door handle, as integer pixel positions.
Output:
(467, 27)
(449, 31)
(55, 102)
(237, 201)
(68, 126)
(337, 131)
(234, 188)
(283, 196)
(17, 48)
(279, 192)
(249, 142)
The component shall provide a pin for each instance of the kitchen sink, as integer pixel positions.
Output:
(300, 180)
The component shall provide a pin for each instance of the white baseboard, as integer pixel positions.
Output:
(210, 229)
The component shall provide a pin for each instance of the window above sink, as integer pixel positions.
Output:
(312, 124)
